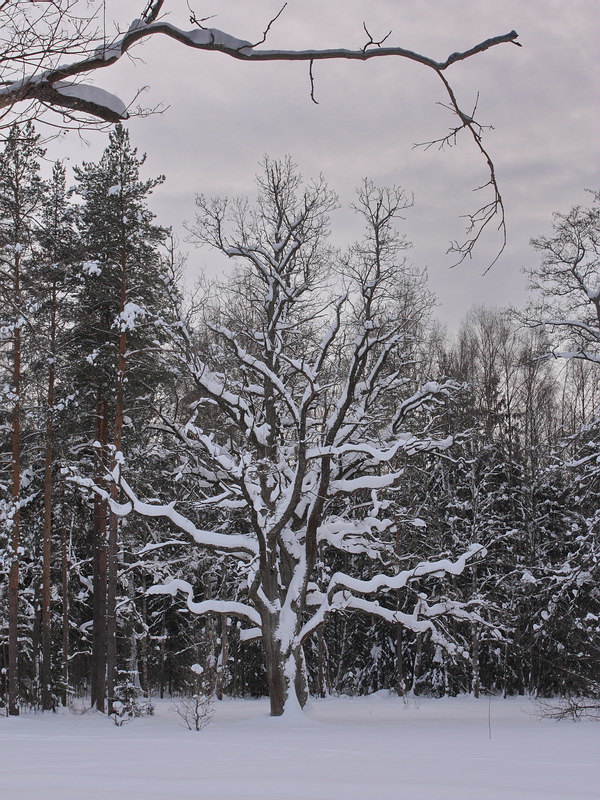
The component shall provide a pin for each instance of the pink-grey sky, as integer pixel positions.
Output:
(224, 115)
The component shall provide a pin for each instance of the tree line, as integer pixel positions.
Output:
(292, 482)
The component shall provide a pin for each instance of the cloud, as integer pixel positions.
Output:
(225, 115)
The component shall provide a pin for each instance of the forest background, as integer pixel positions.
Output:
(330, 449)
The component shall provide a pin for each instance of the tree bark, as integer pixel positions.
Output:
(418, 665)
(400, 685)
(64, 546)
(223, 658)
(113, 535)
(98, 687)
(276, 682)
(13, 575)
(286, 671)
(47, 700)
(476, 684)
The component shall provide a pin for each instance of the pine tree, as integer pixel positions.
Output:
(20, 198)
(118, 334)
(53, 276)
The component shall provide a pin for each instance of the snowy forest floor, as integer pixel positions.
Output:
(371, 748)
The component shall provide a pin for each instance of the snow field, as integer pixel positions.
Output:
(374, 748)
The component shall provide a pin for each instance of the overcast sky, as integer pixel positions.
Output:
(542, 100)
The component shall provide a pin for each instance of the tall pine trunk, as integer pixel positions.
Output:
(476, 679)
(64, 553)
(113, 536)
(400, 684)
(47, 700)
(13, 576)
(98, 677)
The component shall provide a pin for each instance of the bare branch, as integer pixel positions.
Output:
(312, 82)
(268, 28)
(36, 86)
(481, 218)
(152, 11)
(57, 87)
(372, 42)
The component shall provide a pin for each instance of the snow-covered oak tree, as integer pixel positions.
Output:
(301, 422)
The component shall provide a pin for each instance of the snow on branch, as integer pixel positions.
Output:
(58, 87)
(365, 482)
(43, 85)
(225, 542)
(405, 442)
(230, 608)
(340, 596)
(437, 568)
(221, 542)
(259, 366)
(431, 393)
(573, 324)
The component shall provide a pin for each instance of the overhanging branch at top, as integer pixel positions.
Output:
(62, 88)
(56, 86)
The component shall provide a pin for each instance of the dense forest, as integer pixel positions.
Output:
(291, 481)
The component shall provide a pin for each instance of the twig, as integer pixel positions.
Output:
(268, 28)
(372, 41)
(312, 82)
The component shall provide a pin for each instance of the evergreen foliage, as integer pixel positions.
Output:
(306, 363)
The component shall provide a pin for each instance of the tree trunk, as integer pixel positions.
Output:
(322, 663)
(47, 700)
(476, 684)
(223, 658)
(144, 642)
(13, 575)
(418, 665)
(286, 671)
(111, 606)
(161, 657)
(100, 565)
(400, 685)
(64, 546)
(113, 534)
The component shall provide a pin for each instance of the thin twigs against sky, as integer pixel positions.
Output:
(44, 82)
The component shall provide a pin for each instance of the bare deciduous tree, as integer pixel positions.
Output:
(568, 282)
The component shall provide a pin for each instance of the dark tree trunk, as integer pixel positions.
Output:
(418, 664)
(476, 683)
(100, 565)
(223, 658)
(13, 575)
(64, 547)
(113, 535)
(47, 699)
(286, 672)
(400, 685)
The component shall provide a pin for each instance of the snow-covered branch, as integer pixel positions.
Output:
(221, 542)
(228, 607)
(437, 568)
(57, 86)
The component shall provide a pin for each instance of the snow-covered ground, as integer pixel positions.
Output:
(374, 748)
